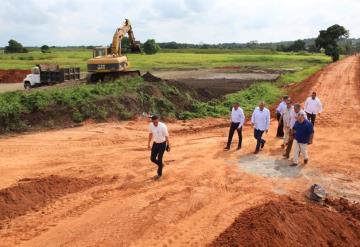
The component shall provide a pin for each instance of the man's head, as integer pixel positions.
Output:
(297, 107)
(285, 98)
(288, 103)
(236, 105)
(155, 120)
(301, 117)
(262, 105)
(313, 95)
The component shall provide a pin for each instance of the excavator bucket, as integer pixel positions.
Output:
(136, 48)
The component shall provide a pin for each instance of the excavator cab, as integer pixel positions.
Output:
(100, 51)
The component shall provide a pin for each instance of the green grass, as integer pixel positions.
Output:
(80, 102)
(248, 99)
(102, 101)
(171, 59)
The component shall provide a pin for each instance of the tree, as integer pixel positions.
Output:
(298, 45)
(125, 45)
(313, 48)
(150, 47)
(328, 39)
(45, 49)
(15, 47)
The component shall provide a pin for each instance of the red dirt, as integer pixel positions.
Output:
(289, 223)
(32, 194)
(13, 75)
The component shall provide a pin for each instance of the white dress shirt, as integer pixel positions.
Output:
(261, 119)
(281, 107)
(293, 117)
(286, 115)
(159, 132)
(237, 116)
(313, 106)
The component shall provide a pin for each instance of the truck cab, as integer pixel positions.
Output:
(32, 79)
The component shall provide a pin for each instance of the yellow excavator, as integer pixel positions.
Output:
(108, 63)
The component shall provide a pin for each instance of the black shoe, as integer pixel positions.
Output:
(262, 144)
(306, 161)
(256, 152)
(157, 177)
(227, 148)
(293, 164)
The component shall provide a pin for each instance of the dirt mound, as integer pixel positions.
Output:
(13, 75)
(35, 193)
(290, 223)
(150, 77)
(344, 206)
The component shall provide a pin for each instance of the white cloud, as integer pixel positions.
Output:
(85, 22)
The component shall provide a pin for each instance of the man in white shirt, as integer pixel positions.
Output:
(281, 107)
(293, 118)
(159, 134)
(286, 119)
(260, 119)
(313, 107)
(237, 120)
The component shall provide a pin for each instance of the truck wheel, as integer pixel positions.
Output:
(27, 85)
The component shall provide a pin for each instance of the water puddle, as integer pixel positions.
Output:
(269, 166)
(336, 184)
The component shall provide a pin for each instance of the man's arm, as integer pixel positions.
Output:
(267, 121)
(242, 119)
(306, 104)
(253, 118)
(149, 140)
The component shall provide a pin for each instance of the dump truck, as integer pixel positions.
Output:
(49, 74)
(108, 63)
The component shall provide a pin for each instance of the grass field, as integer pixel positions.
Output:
(172, 59)
(103, 101)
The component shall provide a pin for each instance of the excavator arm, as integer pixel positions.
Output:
(119, 34)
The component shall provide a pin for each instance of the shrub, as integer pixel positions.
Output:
(150, 47)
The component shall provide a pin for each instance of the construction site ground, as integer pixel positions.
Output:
(92, 185)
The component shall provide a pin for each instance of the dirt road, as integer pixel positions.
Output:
(203, 189)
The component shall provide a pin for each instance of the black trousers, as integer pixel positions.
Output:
(157, 153)
(258, 136)
(233, 127)
(280, 129)
(311, 117)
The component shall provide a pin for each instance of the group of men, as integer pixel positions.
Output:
(294, 127)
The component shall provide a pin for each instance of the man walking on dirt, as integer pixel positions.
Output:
(160, 136)
(313, 107)
(293, 118)
(279, 110)
(303, 134)
(286, 119)
(260, 119)
(237, 120)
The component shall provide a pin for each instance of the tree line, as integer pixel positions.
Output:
(333, 41)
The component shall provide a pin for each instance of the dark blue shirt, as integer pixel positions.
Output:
(303, 131)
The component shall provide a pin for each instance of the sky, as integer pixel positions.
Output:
(93, 22)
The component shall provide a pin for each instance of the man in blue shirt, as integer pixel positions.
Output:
(303, 134)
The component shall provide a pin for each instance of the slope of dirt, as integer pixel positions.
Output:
(215, 83)
(35, 193)
(290, 223)
(13, 75)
